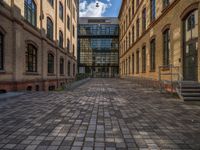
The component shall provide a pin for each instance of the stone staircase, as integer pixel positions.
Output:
(189, 90)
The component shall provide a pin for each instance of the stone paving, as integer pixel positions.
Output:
(102, 114)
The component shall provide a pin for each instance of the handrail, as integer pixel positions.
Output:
(170, 68)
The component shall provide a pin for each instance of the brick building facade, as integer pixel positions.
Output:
(38, 42)
(160, 36)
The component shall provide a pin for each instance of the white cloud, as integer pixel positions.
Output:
(90, 9)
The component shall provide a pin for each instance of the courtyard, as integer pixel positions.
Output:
(100, 114)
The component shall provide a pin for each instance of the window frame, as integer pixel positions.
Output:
(62, 64)
(166, 47)
(60, 39)
(152, 55)
(2, 51)
(144, 59)
(50, 29)
(152, 10)
(50, 63)
(51, 2)
(30, 10)
(31, 58)
(61, 11)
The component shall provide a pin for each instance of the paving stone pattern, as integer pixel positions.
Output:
(110, 114)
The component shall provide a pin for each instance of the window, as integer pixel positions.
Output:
(1, 51)
(137, 3)
(69, 68)
(138, 61)
(60, 39)
(153, 10)
(61, 66)
(73, 31)
(165, 3)
(50, 63)
(133, 63)
(138, 28)
(152, 55)
(49, 29)
(68, 3)
(191, 22)
(133, 9)
(129, 12)
(133, 34)
(129, 44)
(144, 59)
(166, 47)
(68, 22)
(144, 19)
(68, 45)
(73, 50)
(30, 11)
(74, 69)
(60, 10)
(31, 58)
(51, 2)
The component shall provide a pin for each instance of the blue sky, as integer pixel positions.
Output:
(107, 8)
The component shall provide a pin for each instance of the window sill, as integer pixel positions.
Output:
(31, 73)
(166, 69)
(152, 71)
(2, 71)
(50, 74)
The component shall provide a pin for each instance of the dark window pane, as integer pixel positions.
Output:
(30, 11)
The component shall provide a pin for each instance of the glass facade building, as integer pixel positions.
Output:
(98, 47)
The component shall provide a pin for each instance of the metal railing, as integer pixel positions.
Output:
(170, 75)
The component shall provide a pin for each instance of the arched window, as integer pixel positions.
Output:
(152, 10)
(31, 58)
(69, 68)
(1, 51)
(50, 63)
(49, 29)
(30, 11)
(68, 22)
(68, 45)
(73, 50)
(60, 10)
(61, 66)
(60, 39)
(153, 55)
(166, 47)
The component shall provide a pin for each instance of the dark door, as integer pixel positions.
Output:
(190, 51)
(190, 61)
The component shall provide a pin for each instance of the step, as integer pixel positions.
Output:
(191, 94)
(191, 98)
(190, 90)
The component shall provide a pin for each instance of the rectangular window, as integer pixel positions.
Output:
(138, 62)
(166, 47)
(144, 19)
(153, 55)
(153, 10)
(1, 52)
(144, 59)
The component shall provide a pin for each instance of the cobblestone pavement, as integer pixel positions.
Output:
(101, 114)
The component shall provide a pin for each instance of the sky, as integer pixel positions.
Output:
(107, 8)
